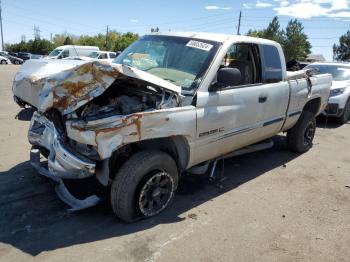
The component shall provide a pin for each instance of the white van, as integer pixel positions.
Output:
(70, 51)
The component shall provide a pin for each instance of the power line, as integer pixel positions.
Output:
(2, 34)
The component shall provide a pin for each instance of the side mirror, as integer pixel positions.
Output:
(226, 77)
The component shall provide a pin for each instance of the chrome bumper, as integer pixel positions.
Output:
(61, 162)
(60, 188)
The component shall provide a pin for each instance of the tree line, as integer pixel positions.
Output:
(114, 41)
(294, 41)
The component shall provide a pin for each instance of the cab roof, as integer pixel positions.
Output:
(221, 38)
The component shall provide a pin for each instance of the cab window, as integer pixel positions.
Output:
(246, 58)
(112, 55)
(272, 65)
(65, 53)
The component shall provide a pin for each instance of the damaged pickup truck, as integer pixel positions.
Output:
(169, 103)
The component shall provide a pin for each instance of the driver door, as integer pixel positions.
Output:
(228, 119)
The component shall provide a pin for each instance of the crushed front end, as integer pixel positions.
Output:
(88, 112)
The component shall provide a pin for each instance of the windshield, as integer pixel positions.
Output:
(339, 73)
(55, 52)
(181, 61)
(94, 54)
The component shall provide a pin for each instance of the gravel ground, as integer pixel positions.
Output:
(273, 206)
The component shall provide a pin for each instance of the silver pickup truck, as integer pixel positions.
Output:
(169, 104)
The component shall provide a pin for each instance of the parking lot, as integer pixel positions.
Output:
(273, 206)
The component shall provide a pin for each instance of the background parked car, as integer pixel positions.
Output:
(14, 60)
(23, 55)
(339, 99)
(4, 60)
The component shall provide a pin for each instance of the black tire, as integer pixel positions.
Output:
(134, 180)
(16, 62)
(344, 118)
(300, 137)
(3, 62)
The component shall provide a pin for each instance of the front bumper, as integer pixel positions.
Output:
(61, 164)
(336, 105)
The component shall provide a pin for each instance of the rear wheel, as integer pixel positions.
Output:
(16, 62)
(144, 186)
(300, 137)
(3, 62)
(344, 118)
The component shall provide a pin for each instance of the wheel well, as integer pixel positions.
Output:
(177, 147)
(313, 106)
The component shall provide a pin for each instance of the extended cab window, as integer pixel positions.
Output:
(272, 67)
(103, 56)
(246, 58)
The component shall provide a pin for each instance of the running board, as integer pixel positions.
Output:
(250, 149)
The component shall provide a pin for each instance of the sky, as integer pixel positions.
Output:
(324, 20)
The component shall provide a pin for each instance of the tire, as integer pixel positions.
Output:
(16, 62)
(344, 118)
(3, 62)
(139, 182)
(300, 137)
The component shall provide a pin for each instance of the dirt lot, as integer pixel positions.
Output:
(273, 206)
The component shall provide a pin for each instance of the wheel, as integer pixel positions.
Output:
(300, 137)
(16, 62)
(344, 118)
(3, 62)
(144, 186)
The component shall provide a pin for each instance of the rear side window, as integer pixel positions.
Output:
(272, 67)
(112, 55)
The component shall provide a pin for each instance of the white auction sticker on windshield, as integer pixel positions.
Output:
(199, 45)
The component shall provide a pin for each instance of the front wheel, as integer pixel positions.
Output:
(16, 62)
(3, 62)
(344, 118)
(300, 137)
(144, 186)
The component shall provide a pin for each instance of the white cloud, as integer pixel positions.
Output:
(261, 4)
(215, 7)
(313, 8)
(134, 20)
(247, 6)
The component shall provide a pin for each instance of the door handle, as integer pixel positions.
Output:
(262, 98)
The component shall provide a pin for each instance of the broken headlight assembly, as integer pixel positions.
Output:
(337, 91)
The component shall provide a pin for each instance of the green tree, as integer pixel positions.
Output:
(296, 45)
(293, 40)
(341, 52)
(272, 32)
(68, 41)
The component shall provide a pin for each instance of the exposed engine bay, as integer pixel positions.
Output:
(126, 96)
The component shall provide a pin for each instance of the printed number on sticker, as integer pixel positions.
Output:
(199, 45)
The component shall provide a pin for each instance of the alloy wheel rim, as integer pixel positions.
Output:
(156, 194)
(309, 134)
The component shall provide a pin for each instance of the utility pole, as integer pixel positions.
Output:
(36, 32)
(239, 23)
(107, 38)
(2, 34)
